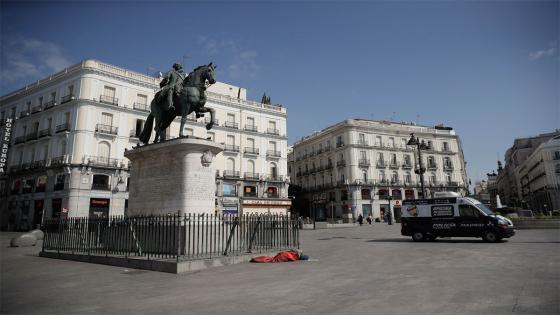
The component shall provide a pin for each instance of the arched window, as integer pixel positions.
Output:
(230, 164)
(103, 151)
(273, 170)
(251, 166)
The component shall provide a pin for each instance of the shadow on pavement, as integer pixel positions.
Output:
(404, 240)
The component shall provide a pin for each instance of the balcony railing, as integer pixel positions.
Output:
(447, 167)
(251, 176)
(31, 136)
(39, 164)
(394, 164)
(207, 120)
(231, 148)
(24, 113)
(20, 139)
(59, 160)
(108, 129)
(432, 166)
(339, 144)
(252, 128)
(272, 131)
(102, 161)
(231, 124)
(363, 162)
(327, 148)
(47, 132)
(362, 143)
(328, 166)
(274, 178)
(273, 153)
(141, 107)
(109, 100)
(67, 98)
(341, 163)
(63, 127)
(49, 104)
(231, 174)
(100, 186)
(36, 109)
(406, 166)
(380, 163)
(250, 150)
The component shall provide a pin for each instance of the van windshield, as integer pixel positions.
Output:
(481, 206)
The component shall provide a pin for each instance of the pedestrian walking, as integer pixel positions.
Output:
(369, 219)
(360, 219)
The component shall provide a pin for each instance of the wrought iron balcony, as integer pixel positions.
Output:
(340, 163)
(250, 150)
(101, 186)
(272, 131)
(251, 176)
(327, 148)
(141, 107)
(207, 120)
(67, 98)
(274, 178)
(328, 166)
(63, 127)
(252, 128)
(59, 160)
(101, 161)
(231, 124)
(39, 164)
(362, 143)
(380, 163)
(23, 113)
(273, 153)
(447, 167)
(20, 139)
(231, 148)
(31, 136)
(432, 166)
(339, 144)
(394, 164)
(406, 166)
(49, 104)
(363, 162)
(47, 132)
(109, 100)
(36, 109)
(231, 174)
(107, 129)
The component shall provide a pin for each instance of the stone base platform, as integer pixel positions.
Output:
(162, 265)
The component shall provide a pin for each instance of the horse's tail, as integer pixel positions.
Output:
(147, 131)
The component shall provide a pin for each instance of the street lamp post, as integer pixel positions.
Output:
(420, 145)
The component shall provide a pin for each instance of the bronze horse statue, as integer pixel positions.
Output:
(190, 98)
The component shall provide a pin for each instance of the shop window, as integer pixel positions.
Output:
(272, 192)
(250, 191)
(28, 186)
(366, 194)
(396, 194)
(100, 182)
(383, 193)
(229, 190)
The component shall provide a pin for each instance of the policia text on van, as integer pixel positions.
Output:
(426, 219)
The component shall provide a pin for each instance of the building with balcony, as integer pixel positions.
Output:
(362, 166)
(70, 131)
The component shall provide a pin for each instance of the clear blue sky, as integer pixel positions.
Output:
(488, 69)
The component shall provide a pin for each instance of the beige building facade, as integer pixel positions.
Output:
(70, 131)
(366, 167)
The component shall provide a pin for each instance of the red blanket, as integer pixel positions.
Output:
(288, 255)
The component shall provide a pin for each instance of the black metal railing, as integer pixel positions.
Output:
(231, 148)
(252, 128)
(101, 161)
(109, 100)
(181, 237)
(228, 173)
(141, 106)
(273, 153)
(341, 163)
(36, 109)
(250, 150)
(38, 164)
(272, 131)
(31, 136)
(231, 124)
(251, 176)
(63, 127)
(108, 129)
(101, 186)
(45, 132)
(363, 162)
(67, 98)
(274, 178)
(20, 139)
(59, 160)
(49, 104)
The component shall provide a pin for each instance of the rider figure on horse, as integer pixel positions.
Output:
(171, 84)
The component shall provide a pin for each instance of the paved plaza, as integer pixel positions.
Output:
(360, 270)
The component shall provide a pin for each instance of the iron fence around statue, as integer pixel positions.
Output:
(189, 236)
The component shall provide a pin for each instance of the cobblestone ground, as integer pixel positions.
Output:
(360, 270)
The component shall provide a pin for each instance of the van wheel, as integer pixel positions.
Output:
(418, 236)
(490, 236)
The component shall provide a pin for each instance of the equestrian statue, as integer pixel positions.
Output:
(179, 96)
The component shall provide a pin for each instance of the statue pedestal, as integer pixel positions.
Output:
(175, 176)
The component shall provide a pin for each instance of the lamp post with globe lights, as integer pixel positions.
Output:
(420, 169)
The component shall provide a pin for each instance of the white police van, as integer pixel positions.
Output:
(450, 215)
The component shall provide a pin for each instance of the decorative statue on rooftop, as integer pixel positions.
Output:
(179, 96)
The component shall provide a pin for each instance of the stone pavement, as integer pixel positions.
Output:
(360, 270)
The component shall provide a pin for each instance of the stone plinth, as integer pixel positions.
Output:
(175, 176)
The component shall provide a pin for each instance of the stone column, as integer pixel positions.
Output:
(175, 176)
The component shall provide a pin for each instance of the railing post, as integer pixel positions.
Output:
(230, 236)
(249, 250)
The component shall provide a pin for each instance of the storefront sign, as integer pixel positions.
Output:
(5, 145)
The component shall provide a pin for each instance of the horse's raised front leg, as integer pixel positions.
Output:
(212, 114)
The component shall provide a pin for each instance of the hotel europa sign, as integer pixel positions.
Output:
(5, 145)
